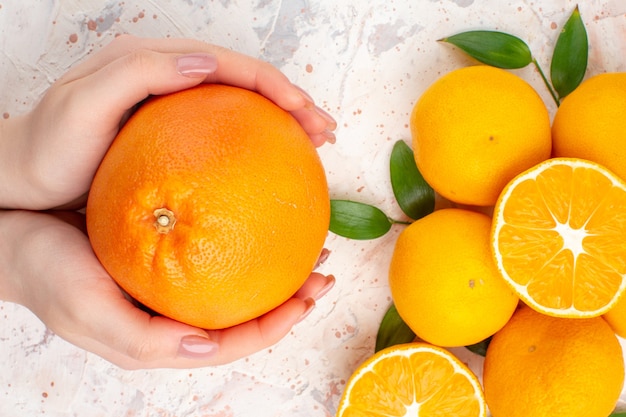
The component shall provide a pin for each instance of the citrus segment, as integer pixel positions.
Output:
(410, 380)
(558, 237)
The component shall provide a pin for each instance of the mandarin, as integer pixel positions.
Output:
(474, 129)
(211, 207)
(415, 379)
(543, 366)
(444, 282)
(558, 237)
(589, 123)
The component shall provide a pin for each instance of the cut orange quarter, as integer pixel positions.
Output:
(415, 379)
(559, 237)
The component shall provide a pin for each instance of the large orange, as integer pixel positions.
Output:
(211, 206)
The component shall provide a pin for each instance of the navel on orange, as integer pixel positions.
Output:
(211, 206)
(558, 237)
(415, 379)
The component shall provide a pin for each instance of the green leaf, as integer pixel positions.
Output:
(480, 348)
(622, 414)
(569, 60)
(494, 48)
(357, 220)
(415, 197)
(393, 330)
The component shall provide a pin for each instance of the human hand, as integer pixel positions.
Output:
(61, 142)
(47, 265)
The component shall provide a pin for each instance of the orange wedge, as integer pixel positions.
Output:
(559, 237)
(415, 379)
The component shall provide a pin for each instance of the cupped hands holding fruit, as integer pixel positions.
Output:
(49, 158)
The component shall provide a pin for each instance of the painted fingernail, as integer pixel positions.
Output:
(196, 347)
(330, 283)
(330, 136)
(196, 65)
(304, 94)
(324, 254)
(331, 123)
(310, 304)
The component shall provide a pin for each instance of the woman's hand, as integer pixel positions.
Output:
(47, 265)
(49, 156)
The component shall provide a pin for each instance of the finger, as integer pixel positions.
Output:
(132, 339)
(237, 69)
(315, 287)
(149, 349)
(123, 83)
(255, 335)
(232, 69)
(126, 336)
(316, 122)
(252, 336)
(126, 45)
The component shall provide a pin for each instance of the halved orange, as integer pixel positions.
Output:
(559, 237)
(415, 379)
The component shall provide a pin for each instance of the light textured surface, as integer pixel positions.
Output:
(366, 62)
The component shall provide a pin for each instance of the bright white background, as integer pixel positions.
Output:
(365, 62)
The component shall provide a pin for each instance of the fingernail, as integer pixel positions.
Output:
(330, 283)
(331, 123)
(324, 254)
(196, 347)
(330, 136)
(304, 94)
(196, 65)
(310, 304)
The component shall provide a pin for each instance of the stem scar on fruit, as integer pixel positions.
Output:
(165, 220)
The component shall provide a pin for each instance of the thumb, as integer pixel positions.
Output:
(133, 339)
(126, 81)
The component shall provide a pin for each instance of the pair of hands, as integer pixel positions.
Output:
(47, 160)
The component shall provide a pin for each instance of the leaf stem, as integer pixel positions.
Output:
(400, 222)
(547, 83)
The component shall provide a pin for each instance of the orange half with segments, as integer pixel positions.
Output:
(559, 237)
(415, 379)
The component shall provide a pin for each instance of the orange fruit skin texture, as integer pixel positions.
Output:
(589, 123)
(474, 129)
(247, 189)
(616, 317)
(444, 281)
(544, 366)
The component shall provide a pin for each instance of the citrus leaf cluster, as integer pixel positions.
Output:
(503, 50)
(415, 197)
